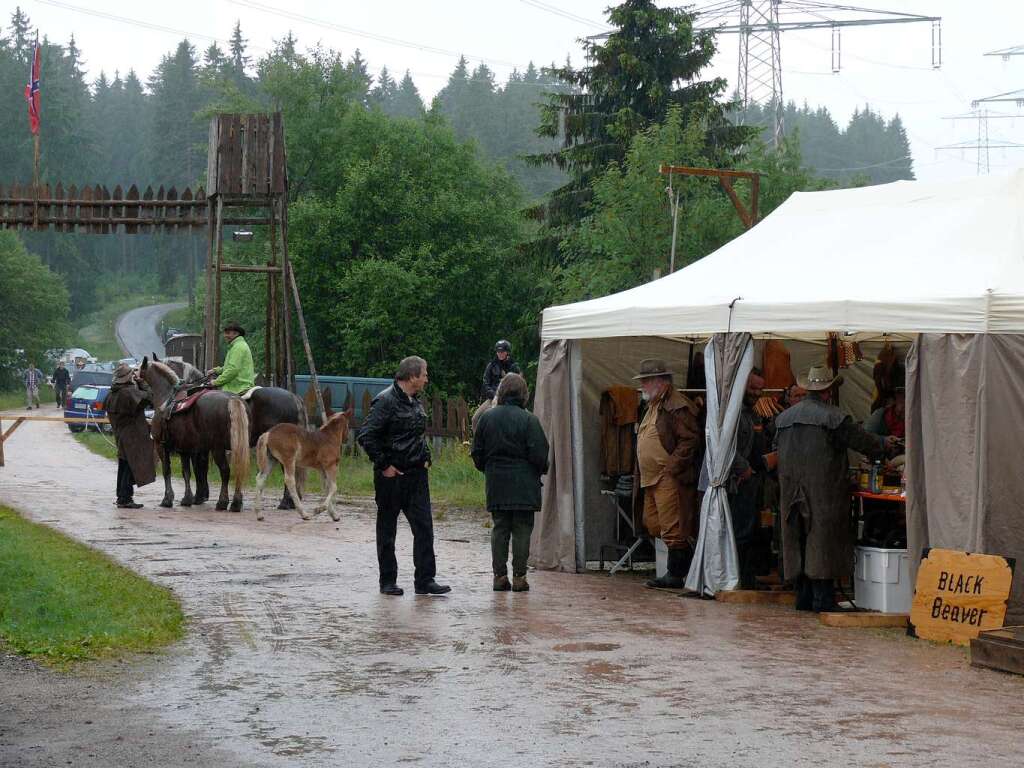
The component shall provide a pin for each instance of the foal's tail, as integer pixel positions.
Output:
(239, 442)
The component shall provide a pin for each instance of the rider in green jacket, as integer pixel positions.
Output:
(237, 374)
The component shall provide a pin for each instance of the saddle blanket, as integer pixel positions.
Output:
(188, 401)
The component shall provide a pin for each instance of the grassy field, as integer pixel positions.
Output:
(61, 601)
(454, 481)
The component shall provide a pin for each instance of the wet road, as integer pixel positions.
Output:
(293, 659)
(137, 329)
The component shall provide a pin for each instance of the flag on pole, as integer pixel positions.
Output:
(32, 90)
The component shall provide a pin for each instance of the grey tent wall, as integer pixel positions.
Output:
(576, 432)
(965, 417)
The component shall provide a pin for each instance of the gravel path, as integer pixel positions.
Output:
(292, 658)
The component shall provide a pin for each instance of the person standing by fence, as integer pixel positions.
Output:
(394, 437)
(33, 378)
(511, 449)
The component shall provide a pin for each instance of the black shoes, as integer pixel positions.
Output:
(502, 584)
(677, 568)
(129, 505)
(391, 589)
(432, 588)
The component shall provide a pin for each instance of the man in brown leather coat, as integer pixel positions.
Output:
(668, 442)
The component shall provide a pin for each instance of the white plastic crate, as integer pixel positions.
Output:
(881, 580)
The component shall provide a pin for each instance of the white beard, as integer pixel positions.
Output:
(646, 397)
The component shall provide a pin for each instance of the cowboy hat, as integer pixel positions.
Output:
(123, 373)
(653, 367)
(233, 326)
(819, 378)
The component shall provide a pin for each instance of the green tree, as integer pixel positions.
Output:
(411, 252)
(35, 304)
(625, 240)
(653, 59)
(407, 101)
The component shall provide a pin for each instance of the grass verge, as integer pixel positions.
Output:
(454, 480)
(15, 398)
(61, 601)
(96, 331)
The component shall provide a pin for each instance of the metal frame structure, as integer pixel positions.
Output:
(759, 24)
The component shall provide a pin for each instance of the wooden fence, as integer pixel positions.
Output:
(447, 422)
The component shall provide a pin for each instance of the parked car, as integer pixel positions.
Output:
(89, 389)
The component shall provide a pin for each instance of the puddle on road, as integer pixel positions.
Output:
(586, 647)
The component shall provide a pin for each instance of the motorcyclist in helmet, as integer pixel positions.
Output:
(498, 367)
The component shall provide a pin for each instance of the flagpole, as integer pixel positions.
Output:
(35, 182)
(34, 75)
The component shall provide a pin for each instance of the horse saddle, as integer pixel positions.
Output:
(185, 400)
(248, 393)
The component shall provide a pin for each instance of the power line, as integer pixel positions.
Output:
(541, 6)
(387, 39)
(138, 22)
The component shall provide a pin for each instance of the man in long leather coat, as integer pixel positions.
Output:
(668, 442)
(394, 439)
(126, 408)
(813, 437)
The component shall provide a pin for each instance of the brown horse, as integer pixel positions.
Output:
(296, 448)
(217, 422)
(266, 406)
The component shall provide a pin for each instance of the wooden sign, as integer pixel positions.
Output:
(959, 594)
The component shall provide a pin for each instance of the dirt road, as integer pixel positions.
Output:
(293, 659)
(137, 329)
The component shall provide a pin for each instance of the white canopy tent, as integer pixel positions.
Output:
(912, 260)
(911, 257)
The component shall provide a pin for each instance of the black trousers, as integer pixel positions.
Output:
(408, 493)
(125, 482)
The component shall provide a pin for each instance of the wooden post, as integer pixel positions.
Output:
(1, 442)
(305, 343)
(271, 335)
(286, 267)
(35, 181)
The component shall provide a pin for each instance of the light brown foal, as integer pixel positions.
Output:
(295, 447)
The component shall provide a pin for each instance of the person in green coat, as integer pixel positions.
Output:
(511, 449)
(238, 374)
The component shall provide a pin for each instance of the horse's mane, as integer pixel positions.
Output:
(165, 372)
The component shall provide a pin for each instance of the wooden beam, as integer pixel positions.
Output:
(736, 202)
(269, 268)
(305, 343)
(717, 172)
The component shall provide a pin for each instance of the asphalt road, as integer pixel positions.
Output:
(137, 330)
(292, 658)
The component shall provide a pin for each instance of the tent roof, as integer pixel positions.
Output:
(906, 257)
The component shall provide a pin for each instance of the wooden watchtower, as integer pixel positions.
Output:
(247, 183)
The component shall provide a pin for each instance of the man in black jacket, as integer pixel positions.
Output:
(393, 438)
(496, 369)
(61, 382)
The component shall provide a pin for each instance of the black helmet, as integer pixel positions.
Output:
(503, 346)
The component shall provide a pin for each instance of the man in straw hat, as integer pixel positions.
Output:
(813, 437)
(238, 373)
(668, 441)
(126, 409)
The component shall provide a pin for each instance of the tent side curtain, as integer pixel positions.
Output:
(728, 359)
(553, 544)
(965, 416)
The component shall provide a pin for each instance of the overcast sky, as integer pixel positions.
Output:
(886, 67)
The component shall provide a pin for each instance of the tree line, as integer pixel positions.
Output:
(433, 229)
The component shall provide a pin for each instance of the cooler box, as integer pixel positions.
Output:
(881, 580)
